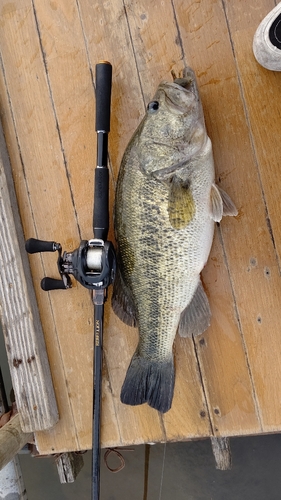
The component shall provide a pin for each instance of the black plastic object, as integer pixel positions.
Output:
(78, 265)
(48, 284)
(101, 211)
(102, 149)
(34, 246)
(103, 97)
(103, 94)
(275, 32)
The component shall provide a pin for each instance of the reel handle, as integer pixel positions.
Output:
(48, 284)
(35, 246)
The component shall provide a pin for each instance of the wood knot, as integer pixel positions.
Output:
(16, 362)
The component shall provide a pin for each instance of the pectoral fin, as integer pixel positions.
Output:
(228, 206)
(196, 318)
(122, 301)
(221, 204)
(181, 206)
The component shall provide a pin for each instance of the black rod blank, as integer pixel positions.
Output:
(98, 350)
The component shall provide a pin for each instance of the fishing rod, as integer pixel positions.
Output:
(93, 263)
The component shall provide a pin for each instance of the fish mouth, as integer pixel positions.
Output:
(184, 84)
(187, 81)
(187, 85)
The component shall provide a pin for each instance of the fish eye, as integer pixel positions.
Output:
(153, 106)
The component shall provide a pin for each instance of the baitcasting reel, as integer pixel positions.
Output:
(92, 263)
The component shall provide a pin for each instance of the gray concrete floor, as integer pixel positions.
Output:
(177, 471)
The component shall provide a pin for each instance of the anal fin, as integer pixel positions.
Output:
(196, 318)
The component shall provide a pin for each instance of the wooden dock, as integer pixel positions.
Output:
(228, 380)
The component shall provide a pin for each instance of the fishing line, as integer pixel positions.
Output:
(162, 473)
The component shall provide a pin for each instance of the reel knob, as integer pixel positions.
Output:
(35, 246)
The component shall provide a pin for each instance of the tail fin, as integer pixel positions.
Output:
(151, 382)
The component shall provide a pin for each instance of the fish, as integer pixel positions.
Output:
(166, 206)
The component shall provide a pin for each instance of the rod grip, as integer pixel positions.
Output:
(34, 246)
(101, 213)
(48, 284)
(103, 95)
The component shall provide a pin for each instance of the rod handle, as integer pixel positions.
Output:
(34, 246)
(103, 95)
(48, 284)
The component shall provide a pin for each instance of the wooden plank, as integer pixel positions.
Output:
(222, 359)
(69, 465)
(222, 453)
(260, 316)
(47, 202)
(24, 340)
(189, 416)
(156, 44)
(230, 387)
(12, 439)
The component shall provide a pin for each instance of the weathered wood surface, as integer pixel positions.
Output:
(226, 378)
(69, 465)
(24, 339)
(222, 452)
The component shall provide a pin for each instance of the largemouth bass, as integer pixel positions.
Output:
(165, 208)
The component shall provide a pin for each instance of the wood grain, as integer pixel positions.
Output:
(24, 340)
(261, 99)
(237, 173)
(68, 466)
